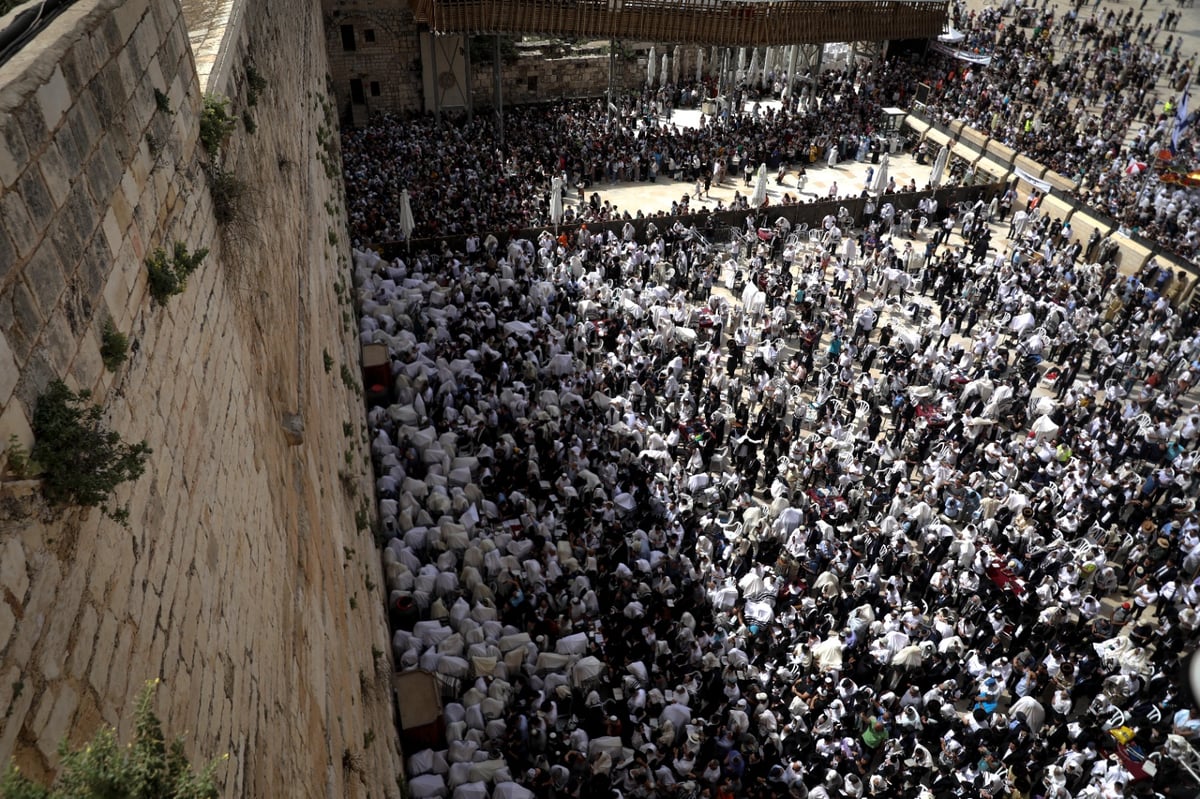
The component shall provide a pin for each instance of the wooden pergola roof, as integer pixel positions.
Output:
(701, 22)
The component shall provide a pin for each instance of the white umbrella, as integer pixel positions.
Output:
(1044, 428)
(753, 70)
(407, 223)
(1022, 323)
(699, 63)
(879, 182)
(939, 166)
(556, 201)
(676, 63)
(760, 187)
(1045, 405)
(767, 64)
(651, 64)
(663, 73)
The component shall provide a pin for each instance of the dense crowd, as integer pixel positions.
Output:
(1093, 77)
(1080, 95)
(460, 183)
(888, 510)
(897, 518)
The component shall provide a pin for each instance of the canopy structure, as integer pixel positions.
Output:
(703, 22)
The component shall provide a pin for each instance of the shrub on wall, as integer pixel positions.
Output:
(82, 461)
(215, 123)
(169, 277)
(145, 768)
(114, 346)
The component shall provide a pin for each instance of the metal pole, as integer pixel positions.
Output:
(470, 98)
(437, 83)
(790, 89)
(612, 68)
(499, 94)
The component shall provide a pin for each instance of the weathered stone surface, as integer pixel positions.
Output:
(33, 126)
(44, 275)
(57, 721)
(13, 575)
(56, 174)
(19, 319)
(219, 586)
(14, 153)
(14, 218)
(8, 373)
(33, 191)
(8, 255)
(54, 97)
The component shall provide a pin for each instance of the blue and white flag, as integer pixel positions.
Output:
(1181, 119)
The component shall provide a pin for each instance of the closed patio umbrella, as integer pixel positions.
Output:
(407, 223)
(556, 202)
(879, 183)
(760, 187)
(939, 166)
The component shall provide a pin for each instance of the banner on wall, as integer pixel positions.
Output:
(1040, 185)
(962, 55)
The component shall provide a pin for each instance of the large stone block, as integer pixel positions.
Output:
(33, 126)
(53, 726)
(8, 255)
(56, 174)
(20, 319)
(14, 153)
(8, 376)
(35, 376)
(14, 577)
(84, 643)
(45, 276)
(37, 198)
(104, 170)
(54, 97)
(14, 217)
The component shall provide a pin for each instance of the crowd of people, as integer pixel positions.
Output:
(911, 519)
(888, 510)
(1081, 94)
(1091, 75)
(460, 183)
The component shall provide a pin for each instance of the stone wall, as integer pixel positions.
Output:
(392, 61)
(386, 56)
(531, 79)
(246, 579)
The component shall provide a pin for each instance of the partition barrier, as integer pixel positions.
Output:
(810, 214)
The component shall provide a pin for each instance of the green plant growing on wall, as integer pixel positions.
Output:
(148, 767)
(82, 460)
(328, 359)
(162, 102)
(348, 378)
(256, 84)
(114, 346)
(20, 465)
(168, 276)
(215, 123)
(228, 194)
(248, 122)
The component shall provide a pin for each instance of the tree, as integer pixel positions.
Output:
(145, 768)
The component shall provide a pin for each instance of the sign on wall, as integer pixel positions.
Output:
(444, 73)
